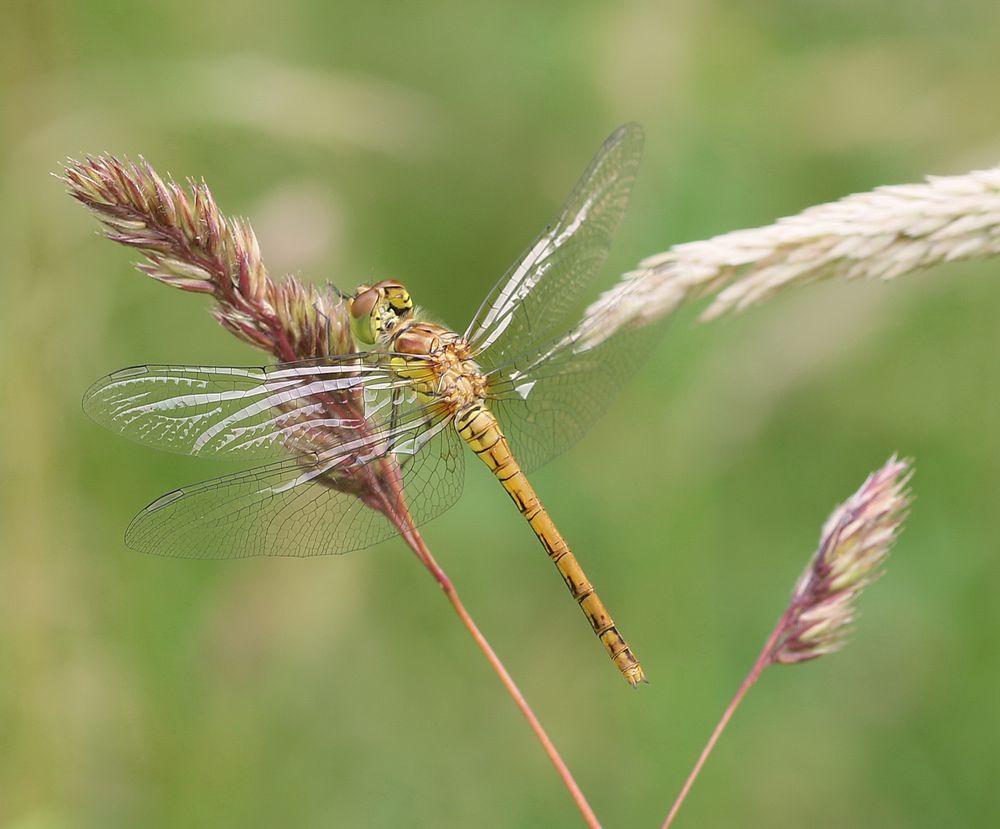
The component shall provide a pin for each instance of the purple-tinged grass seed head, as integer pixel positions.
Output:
(854, 545)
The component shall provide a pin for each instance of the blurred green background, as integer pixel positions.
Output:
(430, 144)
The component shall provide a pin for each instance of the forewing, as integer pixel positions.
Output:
(244, 413)
(531, 303)
(309, 506)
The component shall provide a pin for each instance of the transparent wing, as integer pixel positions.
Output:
(311, 505)
(531, 303)
(251, 413)
(546, 401)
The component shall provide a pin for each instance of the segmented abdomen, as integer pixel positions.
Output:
(479, 428)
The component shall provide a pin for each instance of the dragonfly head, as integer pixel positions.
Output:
(377, 309)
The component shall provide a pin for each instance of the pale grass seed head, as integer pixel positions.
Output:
(854, 545)
(880, 234)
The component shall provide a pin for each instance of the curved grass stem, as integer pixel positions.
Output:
(417, 544)
(763, 660)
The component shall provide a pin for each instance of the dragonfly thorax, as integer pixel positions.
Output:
(438, 362)
(435, 360)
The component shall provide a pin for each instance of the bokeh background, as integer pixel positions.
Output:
(430, 142)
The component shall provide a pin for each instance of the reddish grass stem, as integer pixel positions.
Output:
(763, 660)
(416, 542)
(853, 546)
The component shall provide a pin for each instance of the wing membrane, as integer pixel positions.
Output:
(548, 400)
(530, 304)
(355, 444)
(308, 506)
(250, 413)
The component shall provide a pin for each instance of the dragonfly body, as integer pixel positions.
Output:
(439, 364)
(366, 445)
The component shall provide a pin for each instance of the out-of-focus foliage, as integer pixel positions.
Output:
(367, 141)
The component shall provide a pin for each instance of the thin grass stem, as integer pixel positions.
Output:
(418, 545)
(748, 682)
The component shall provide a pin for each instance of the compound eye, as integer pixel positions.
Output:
(363, 303)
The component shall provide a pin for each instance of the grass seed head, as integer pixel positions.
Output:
(854, 545)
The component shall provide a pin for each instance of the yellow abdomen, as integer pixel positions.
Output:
(480, 429)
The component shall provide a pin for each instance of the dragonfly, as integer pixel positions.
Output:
(519, 386)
